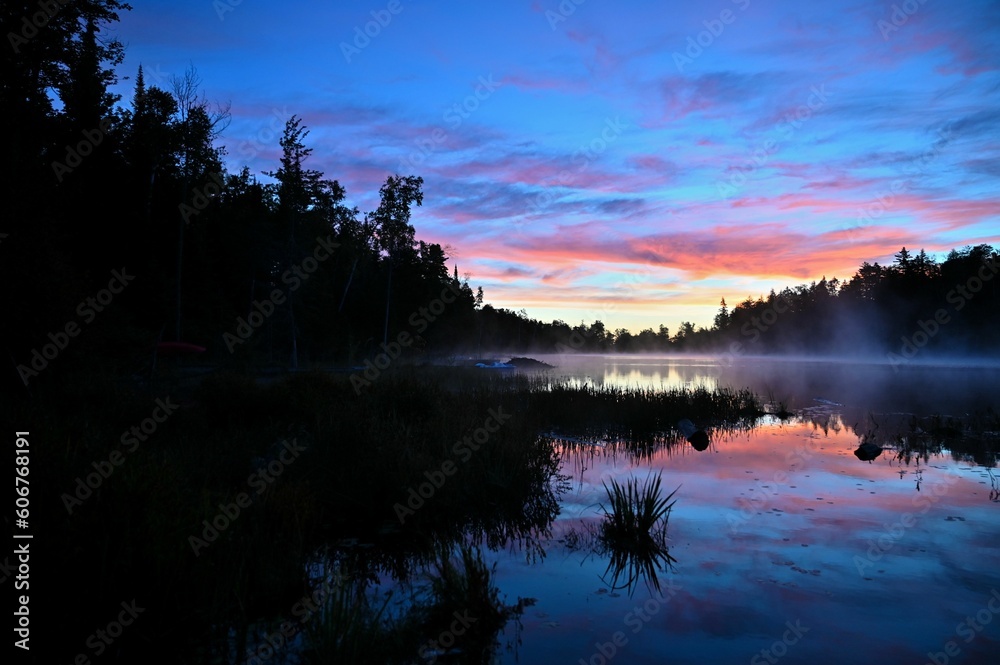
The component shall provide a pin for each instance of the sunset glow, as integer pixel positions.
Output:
(634, 164)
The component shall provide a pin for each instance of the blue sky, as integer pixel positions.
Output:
(632, 162)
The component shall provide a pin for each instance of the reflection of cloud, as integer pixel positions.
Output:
(796, 558)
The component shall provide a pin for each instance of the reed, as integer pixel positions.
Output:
(634, 531)
(636, 515)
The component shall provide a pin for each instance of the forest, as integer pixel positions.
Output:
(276, 269)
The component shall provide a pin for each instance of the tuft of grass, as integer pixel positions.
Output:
(634, 531)
(637, 515)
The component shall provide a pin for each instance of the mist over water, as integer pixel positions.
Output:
(782, 525)
(933, 388)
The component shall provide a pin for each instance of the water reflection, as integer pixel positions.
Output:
(782, 522)
(779, 520)
(777, 524)
(857, 386)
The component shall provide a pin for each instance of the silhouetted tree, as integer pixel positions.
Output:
(393, 230)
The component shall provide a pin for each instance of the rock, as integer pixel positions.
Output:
(866, 452)
(696, 437)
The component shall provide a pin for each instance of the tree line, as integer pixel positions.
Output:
(285, 271)
(915, 304)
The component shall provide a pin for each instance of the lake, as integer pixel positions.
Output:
(787, 546)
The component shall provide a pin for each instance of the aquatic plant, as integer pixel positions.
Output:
(634, 531)
(355, 628)
(637, 514)
(365, 451)
(463, 589)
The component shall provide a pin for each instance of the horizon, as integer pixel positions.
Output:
(692, 185)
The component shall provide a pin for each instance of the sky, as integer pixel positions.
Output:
(630, 162)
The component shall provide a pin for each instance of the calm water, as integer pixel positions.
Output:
(788, 547)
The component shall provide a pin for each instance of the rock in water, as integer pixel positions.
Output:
(696, 437)
(866, 452)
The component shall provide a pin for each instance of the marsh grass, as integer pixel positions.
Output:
(463, 585)
(634, 530)
(639, 413)
(130, 538)
(354, 627)
(636, 513)
(358, 626)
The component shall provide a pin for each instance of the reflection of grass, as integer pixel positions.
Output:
(463, 588)
(130, 538)
(634, 530)
(777, 408)
(460, 615)
(972, 438)
(353, 629)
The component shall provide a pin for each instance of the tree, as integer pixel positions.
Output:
(64, 61)
(394, 233)
(197, 130)
(722, 318)
(902, 261)
(300, 191)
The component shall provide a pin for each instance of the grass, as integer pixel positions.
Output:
(463, 587)
(634, 530)
(777, 408)
(354, 628)
(458, 618)
(130, 538)
(636, 514)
